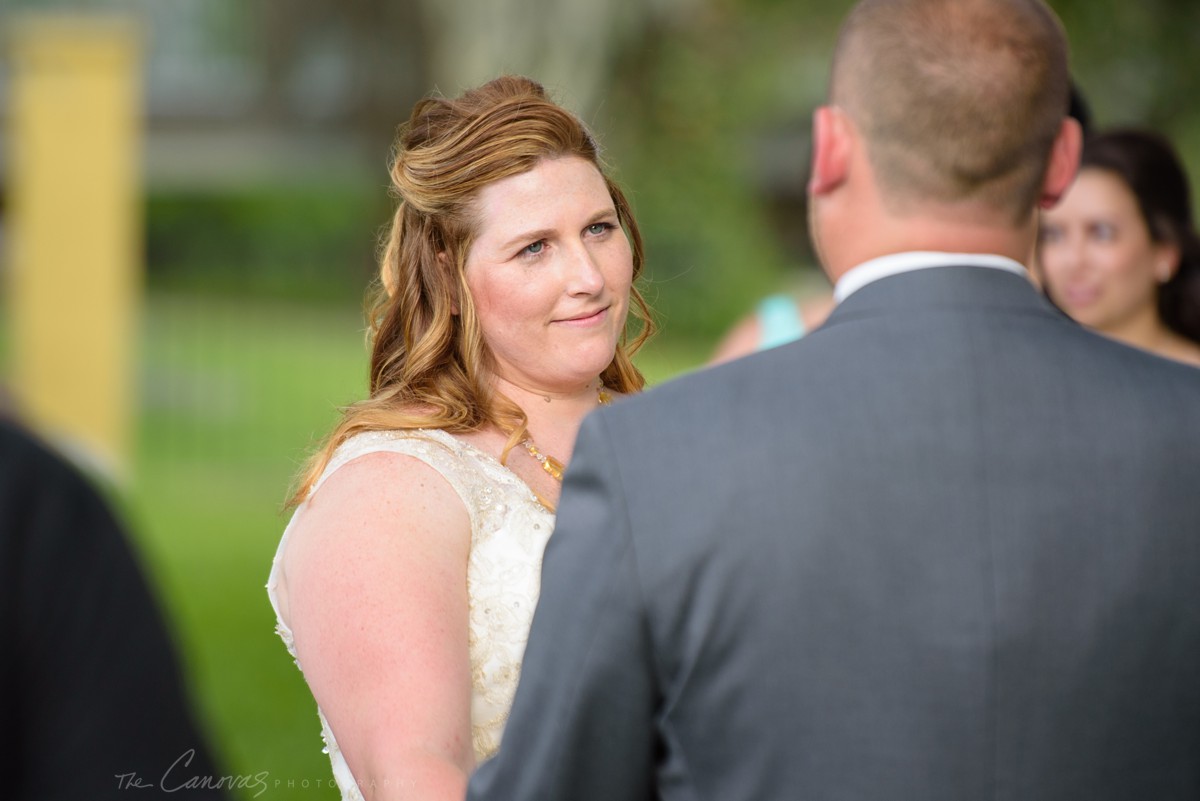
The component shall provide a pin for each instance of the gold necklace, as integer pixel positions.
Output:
(551, 465)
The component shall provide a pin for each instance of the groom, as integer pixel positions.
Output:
(945, 547)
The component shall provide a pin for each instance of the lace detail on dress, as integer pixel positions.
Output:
(509, 530)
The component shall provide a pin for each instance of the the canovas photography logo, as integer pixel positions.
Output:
(178, 778)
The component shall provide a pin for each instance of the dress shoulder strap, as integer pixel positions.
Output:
(441, 451)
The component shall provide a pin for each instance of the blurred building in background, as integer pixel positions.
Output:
(287, 90)
(73, 258)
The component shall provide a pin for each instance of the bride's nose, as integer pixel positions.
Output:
(584, 276)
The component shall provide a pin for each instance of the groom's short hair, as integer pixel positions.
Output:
(958, 100)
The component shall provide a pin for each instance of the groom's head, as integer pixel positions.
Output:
(954, 104)
(957, 100)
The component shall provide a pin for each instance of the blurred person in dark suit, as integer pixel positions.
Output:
(91, 698)
(945, 547)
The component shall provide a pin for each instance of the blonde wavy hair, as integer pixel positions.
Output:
(430, 366)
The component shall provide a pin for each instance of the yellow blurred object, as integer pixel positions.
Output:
(73, 231)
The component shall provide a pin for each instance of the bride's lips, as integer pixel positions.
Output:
(585, 320)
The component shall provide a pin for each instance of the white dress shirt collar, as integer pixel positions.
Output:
(859, 276)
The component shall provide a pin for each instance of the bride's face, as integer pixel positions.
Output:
(549, 274)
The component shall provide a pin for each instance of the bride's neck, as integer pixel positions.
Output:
(560, 406)
(553, 420)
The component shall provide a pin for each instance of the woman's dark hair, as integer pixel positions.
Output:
(1079, 109)
(1153, 171)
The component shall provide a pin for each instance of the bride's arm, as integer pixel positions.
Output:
(377, 595)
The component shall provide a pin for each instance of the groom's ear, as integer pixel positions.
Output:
(1063, 164)
(832, 141)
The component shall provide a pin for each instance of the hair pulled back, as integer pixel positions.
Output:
(430, 366)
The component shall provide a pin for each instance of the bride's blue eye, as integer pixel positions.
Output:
(535, 248)
(599, 228)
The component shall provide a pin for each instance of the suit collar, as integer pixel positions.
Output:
(945, 287)
(896, 263)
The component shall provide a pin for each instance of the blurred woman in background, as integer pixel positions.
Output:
(1120, 253)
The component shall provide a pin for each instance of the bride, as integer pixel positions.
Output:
(405, 582)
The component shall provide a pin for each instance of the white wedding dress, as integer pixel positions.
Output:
(509, 530)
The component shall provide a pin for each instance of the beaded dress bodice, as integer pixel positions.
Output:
(509, 530)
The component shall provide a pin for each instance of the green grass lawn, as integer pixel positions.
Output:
(233, 395)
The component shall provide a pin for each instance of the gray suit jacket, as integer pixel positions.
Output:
(945, 547)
